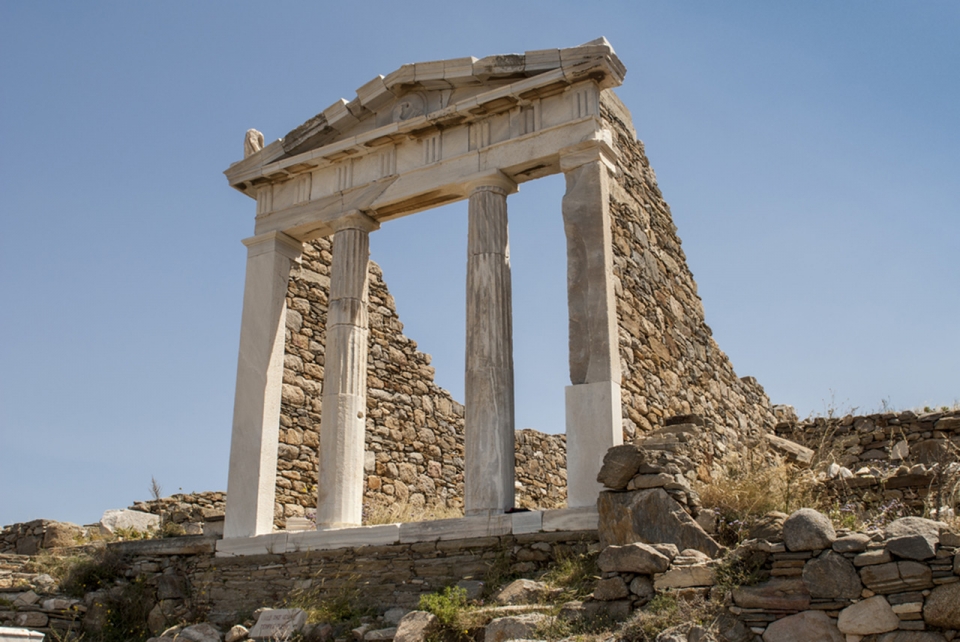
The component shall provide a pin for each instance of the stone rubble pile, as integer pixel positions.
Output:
(195, 513)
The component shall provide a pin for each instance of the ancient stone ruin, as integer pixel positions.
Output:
(337, 411)
(424, 135)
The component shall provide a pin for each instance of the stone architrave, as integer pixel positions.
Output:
(593, 406)
(344, 406)
(489, 402)
(251, 481)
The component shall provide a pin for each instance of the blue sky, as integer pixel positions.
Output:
(809, 152)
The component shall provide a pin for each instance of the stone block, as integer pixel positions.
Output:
(832, 576)
(808, 626)
(776, 595)
(115, 519)
(459, 528)
(942, 606)
(685, 577)
(867, 617)
(319, 540)
(650, 516)
(273, 544)
(526, 522)
(620, 464)
(278, 624)
(585, 518)
(633, 558)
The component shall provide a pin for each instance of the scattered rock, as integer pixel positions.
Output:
(278, 623)
(394, 615)
(200, 633)
(912, 547)
(236, 633)
(777, 594)
(791, 449)
(808, 626)
(942, 607)
(522, 592)
(611, 588)
(415, 626)
(633, 558)
(650, 516)
(514, 627)
(832, 576)
(808, 530)
(872, 615)
(620, 464)
(769, 527)
(855, 543)
(685, 577)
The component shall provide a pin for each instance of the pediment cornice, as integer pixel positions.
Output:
(419, 99)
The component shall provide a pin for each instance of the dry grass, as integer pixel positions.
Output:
(747, 491)
(382, 513)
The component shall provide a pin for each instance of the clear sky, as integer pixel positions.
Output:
(810, 152)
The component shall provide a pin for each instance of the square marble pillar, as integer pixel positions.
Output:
(593, 408)
(251, 482)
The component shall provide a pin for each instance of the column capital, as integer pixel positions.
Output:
(355, 220)
(599, 149)
(491, 179)
(274, 242)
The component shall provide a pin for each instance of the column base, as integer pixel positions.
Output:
(594, 425)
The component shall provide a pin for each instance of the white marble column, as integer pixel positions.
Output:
(344, 402)
(593, 409)
(488, 404)
(251, 481)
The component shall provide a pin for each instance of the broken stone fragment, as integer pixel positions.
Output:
(620, 464)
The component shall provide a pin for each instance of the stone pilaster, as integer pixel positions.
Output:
(251, 481)
(593, 408)
(344, 401)
(489, 400)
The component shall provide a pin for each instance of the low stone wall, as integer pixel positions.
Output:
(184, 581)
(29, 538)
(186, 508)
(884, 440)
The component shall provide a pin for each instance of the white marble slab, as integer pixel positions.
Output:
(379, 535)
(460, 528)
(272, 544)
(527, 522)
(585, 518)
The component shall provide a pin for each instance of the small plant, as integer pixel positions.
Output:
(86, 573)
(741, 570)
(156, 491)
(447, 605)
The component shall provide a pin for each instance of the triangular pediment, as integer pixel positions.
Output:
(440, 93)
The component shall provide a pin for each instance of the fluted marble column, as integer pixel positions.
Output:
(489, 402)
(251, 481)
(344, 404)
(593, 407)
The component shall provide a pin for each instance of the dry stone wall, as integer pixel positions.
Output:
(897, 463)
(670, 363)
(414, 431)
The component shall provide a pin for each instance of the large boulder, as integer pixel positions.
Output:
(832, 576)
(620, 464)
(514, 627)
(867, 617)
(808, 530)
(650, 516)
(913, 538)
(416, 626)
(942, 607)
(131, 520)
(522, 592)
(808, 626)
